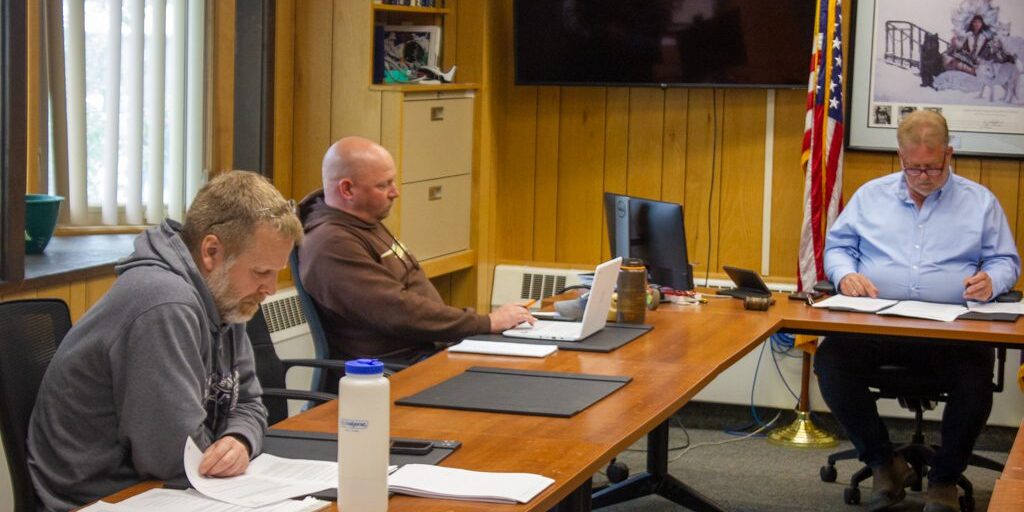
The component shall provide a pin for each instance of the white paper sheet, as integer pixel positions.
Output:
(502, 348)
(926, 310)
(861, 304)
(268, 479)
(461, 484)
(168, 500)
(1015, 308)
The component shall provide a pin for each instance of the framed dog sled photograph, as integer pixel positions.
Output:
(962, 58)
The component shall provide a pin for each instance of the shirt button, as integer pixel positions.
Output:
(917, 247)
(914, 267)
(920, 226)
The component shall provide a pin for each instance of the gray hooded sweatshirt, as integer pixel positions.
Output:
(149, 365)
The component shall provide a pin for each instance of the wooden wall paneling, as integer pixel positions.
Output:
(787, 181)
(77, 299)
(967, 166)
(673, 154)
(1001, 176)
(284, 95)
(703, 186)
(355, 110)
(739, 227)
(478, 35)
(545, 204)
(580, 175)
(860, 167)
(616, 150)
(20, 295)
(646, 129)
(95, 288)
(1019, 214)
(313, 94)
(516, 174)
(35, 118)
(444, 287)
(224, 85)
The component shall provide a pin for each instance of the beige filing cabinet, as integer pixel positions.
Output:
(436, 172)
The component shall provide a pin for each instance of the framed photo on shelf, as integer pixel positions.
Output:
(408, 47)
(961, 58)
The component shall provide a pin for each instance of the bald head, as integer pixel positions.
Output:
(923, 127)
(358, 178)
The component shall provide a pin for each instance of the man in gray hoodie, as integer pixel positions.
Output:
(164, 356)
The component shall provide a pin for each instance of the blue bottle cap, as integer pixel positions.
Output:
(364, 367)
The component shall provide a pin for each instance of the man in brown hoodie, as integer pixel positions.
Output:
(373, 298)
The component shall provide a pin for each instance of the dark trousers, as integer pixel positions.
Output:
(847, 364)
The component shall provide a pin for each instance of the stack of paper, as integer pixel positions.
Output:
(167, 500)
(269, 479)
(461, 484)
(503, 348)
(926, 310)
(1013, 308)
(861, 304)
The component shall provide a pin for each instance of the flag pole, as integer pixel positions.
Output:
(815, 156)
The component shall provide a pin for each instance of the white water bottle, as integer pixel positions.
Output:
(364, 427)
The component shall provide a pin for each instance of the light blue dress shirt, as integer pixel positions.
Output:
(925, 254)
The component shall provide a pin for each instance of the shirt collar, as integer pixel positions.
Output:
(903, 192)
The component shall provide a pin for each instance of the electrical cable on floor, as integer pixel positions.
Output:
(764, 427)
(686, 433)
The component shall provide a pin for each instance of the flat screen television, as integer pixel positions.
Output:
(663, 43)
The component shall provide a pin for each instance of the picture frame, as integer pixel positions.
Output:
(408, 47)
(973, 86)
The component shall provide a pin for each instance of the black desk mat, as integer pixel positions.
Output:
(518, 391)
(608, 339)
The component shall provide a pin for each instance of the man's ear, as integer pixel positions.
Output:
(345, 188)
(211, 253)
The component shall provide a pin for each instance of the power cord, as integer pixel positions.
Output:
(764, 427)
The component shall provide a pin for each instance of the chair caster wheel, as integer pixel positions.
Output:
(617, 471)
(828, 473)
(851, 495)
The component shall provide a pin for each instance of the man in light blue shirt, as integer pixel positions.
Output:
(925, 234)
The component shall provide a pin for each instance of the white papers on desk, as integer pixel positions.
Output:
(268, 479)
(461, 484)
(860, 304)
(1013, 308)
(926, 310)
(502, 348)
(168, 500)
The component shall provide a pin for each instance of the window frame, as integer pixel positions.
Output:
(13, 119)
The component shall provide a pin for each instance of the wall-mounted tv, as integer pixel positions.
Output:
(663, 43)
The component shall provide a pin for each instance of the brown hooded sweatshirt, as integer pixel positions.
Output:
(373, 298)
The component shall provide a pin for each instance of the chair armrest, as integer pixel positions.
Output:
(295, 394)
(327, 364)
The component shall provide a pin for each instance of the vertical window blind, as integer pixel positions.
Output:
(133, 82)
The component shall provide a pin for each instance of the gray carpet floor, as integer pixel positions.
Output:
(755, 475)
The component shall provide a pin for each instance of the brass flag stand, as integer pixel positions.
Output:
(802, 432)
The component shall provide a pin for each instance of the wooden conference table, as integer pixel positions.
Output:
(688, 347)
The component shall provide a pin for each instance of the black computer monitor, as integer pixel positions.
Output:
(652, 231)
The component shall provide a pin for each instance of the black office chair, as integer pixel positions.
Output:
(915, 392)
(271, 371)
(30, 331)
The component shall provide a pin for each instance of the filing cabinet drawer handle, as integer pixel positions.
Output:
(434, 193)
(437, 113)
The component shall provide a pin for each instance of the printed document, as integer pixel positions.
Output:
(168, 500)
(503, 348)
(926, 310)
(460, 484)
(268, 479)
(861, 304)
(1013, 308)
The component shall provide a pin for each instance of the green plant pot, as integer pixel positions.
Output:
(40, 220)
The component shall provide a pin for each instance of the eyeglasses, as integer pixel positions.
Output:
(930, 171)
(278, 211)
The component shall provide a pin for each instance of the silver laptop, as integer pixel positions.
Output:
(595, 315)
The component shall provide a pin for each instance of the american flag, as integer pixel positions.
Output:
(822, 156)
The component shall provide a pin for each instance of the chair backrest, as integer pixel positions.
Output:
(321, 349)
(269, 369)
(30, 331)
